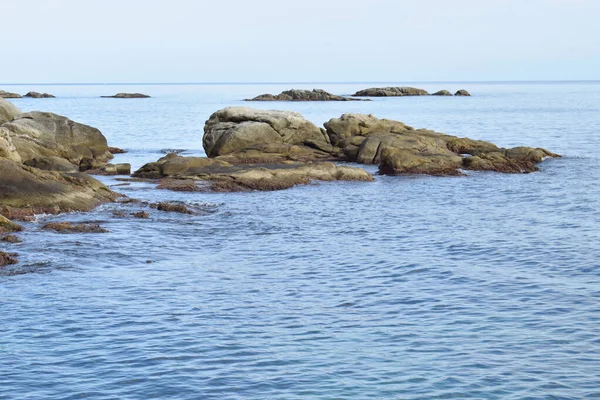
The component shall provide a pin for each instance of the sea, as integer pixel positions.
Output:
(484, 286)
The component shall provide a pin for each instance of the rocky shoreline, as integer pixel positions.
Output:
(46, 160)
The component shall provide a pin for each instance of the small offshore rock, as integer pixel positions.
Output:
(69, 227)
(116, 150)
(141, 214)
(10, 239)
(442, 93)
(301, 95)
(127, 96)
(462, 92)
(391, 92)
(37, 95)
(113, 169)
(7, 259)
(172, 207)
(9, 95)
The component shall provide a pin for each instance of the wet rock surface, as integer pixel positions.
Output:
(69, 227)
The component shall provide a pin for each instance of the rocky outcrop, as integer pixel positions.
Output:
(36, 95)
(112, 169)
(401, 149)
(462, 92)
(52, 142)
(9, 95)
(127, 96)
(7, 225)
(69, 227)
(7, 259)
(7, 111)
(234, 129)
(442, 93)
(225, 176)
(302, 95)
(391, 91)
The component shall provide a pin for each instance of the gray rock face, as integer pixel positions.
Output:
(50, 141)
(233, 129)
(36, 95)
(301, 95)
(9, 95)
(442, 93)
(391, 91)
(462, 92)
(7, 111)
(127, 96)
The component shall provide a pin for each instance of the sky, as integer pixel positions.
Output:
(76, 41)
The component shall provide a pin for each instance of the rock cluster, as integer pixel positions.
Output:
(36, 95)
(9, 95)
(302, 95)
(127, 96)
(399, 91)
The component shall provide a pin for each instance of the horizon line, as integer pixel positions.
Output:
(295, 82)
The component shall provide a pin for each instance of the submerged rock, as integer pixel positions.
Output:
(37, 95)
(141, 214)
(69, 227)
(116, 150)
(391, 92)
(10, 239)
(462, 92)
(9, 95)
(7, 259)
(51, 142)
(127, 96)
(172, 207)
(301, 95)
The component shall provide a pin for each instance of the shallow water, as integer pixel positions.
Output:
(483, 287)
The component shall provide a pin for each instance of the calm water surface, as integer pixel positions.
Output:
(479, 287)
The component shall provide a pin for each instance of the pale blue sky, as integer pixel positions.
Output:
(298, 40)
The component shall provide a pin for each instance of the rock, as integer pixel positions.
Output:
(179, 185)
(462, 92)
(112, 169)
(401, 149)
(141, 214)
(228, 177)
(37, 95)
(69, 227)
(9, 95)
(7, 259)
(301, 95)
(10, 239)
(391, 91)
(127, 96)
(442, 93)
(7, 225)
(233, 129)
(172, 207)
(41, 138)
(25, 191)
(7, 111)
(116, 150)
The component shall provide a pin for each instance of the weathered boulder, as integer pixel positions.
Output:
(127, 96)
(228, 177)
(391, 91)
(6, 225)
(50, 141)
(112, 169)
(7, 148)
(234, 129)
(37, 95)
(25, 191)
(9, 95)
(7, 111)
(302, 95)
(442, 93)
(462, 92)
(401, 149)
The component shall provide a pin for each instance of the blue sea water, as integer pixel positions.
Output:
(478, 287)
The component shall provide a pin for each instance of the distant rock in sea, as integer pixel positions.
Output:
(127, 96)
(391, 92)
(302, 95)
(9, 95)
(442, 93)
(462, 92)
(37, 95)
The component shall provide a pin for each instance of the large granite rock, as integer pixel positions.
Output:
(234, 129)
(25, 191)
(391, 91)
(52, 142)
(127, 96)
(9, 95)
(301, 95)
(7, 111)
(401, 149)
(225, 176)
(37, 95)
